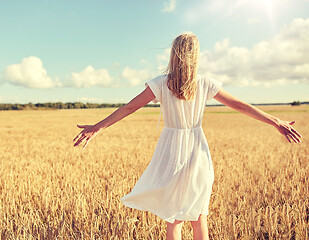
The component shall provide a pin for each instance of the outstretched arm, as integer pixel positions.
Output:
(90, 131)
(284, 127)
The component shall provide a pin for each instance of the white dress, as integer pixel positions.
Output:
(178, 180)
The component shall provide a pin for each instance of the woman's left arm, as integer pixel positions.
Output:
(90, 131)
(284, 127)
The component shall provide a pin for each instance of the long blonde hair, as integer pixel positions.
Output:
(182, 69)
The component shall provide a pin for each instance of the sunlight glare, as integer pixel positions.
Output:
(265, 6)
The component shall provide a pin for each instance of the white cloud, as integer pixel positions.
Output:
(277, 61)
(90, 77)
(135, 77)
(29, 73)
(169, 6)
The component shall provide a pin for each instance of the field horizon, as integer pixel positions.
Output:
(89, 105)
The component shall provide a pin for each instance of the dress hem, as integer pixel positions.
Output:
(167, 219)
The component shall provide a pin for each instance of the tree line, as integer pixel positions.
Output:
(80, 105)
(60, 105)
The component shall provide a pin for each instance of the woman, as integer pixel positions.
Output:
(177, 183)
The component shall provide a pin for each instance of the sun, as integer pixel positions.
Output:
(264, 7)
(268, 4)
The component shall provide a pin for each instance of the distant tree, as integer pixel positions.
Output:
(17, 107)
(5, 106)
(30, 105)
(39, 105)
(296, 103)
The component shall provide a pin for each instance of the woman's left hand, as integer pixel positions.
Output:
(89, 132)
(286, 129)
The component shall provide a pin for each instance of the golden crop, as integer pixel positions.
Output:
(50, 190)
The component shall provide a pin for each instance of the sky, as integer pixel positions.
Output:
(104, 51)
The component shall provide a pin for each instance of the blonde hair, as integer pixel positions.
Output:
(182, 69)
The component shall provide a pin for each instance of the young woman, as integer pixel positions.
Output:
(177, 183)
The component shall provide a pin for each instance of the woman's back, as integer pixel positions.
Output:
(180, 113)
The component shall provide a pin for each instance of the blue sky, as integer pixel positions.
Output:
(104, 51)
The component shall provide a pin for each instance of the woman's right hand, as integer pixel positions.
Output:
(286, 129)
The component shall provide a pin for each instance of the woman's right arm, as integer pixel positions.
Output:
(90, 131)
(284, 127)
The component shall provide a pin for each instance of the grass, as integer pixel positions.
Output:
(50, 190)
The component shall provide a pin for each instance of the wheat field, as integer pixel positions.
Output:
(51, 190)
